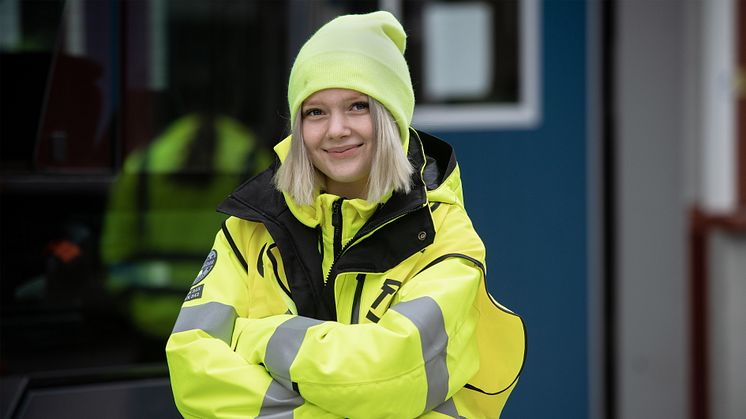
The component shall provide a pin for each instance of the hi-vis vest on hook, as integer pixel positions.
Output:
(396, 323)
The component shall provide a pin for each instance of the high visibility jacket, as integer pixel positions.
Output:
(395, 323)
(151, 257)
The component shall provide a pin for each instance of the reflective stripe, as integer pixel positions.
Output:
(279, 402)
(448, 408)
(214, 318)
(425, 313)
(283, 347)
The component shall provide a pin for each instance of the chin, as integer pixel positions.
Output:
(345, 179)
(346, 176)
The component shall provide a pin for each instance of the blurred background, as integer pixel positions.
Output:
(602, 146)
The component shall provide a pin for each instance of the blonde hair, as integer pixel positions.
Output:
(390, 168)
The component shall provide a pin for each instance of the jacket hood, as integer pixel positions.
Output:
(441, 175)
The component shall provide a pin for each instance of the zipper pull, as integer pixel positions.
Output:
(336, 206)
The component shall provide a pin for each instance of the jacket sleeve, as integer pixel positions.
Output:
(417, 356)
(208, 378)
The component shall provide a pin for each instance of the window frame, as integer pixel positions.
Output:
(523, 114)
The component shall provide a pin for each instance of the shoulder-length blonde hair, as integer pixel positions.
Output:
(390, 168)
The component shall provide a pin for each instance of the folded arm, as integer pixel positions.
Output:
(417, 356)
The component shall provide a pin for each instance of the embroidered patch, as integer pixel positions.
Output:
(194, 293)
(212, 257)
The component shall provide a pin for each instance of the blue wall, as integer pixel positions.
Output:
(526, 193)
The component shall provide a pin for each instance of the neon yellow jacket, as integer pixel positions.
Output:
(342, 309)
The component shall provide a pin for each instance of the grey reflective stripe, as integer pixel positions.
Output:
(283, 347)
(448, 408)
(425, 313)
(215, 318)
(279, 402)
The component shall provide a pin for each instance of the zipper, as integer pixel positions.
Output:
(320, 236)
(355, 316)
(337, 224)
(337, 241)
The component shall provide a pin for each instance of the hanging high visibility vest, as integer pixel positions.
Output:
(161, 213)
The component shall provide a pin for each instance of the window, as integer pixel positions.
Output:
(475, 64)
(123, 122)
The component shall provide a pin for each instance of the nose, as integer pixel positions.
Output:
(338, 126)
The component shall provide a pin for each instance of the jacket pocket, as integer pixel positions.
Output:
(355, 316)
(281, 280)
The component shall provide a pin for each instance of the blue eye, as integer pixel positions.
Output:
(358, 106)
(312, 112)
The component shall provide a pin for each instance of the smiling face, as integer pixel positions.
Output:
(338, 135)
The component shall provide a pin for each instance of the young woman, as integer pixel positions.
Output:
(348, 280)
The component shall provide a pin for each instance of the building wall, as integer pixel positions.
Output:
(652, 284)
(526, 193)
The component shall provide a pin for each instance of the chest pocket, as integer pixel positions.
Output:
(269, 292)
(383, 300)
(276, 270)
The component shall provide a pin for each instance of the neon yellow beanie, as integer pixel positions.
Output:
(358, 52)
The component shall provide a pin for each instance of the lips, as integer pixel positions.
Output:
(341, 150)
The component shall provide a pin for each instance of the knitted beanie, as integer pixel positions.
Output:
(357, 52)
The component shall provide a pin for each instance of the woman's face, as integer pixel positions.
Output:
(338, 134)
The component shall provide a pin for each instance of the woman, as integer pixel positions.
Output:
(348, 280)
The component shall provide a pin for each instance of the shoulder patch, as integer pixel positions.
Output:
(212, 257)
(194, 293)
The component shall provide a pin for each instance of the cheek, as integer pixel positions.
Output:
(311, 136)
(367, 129)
